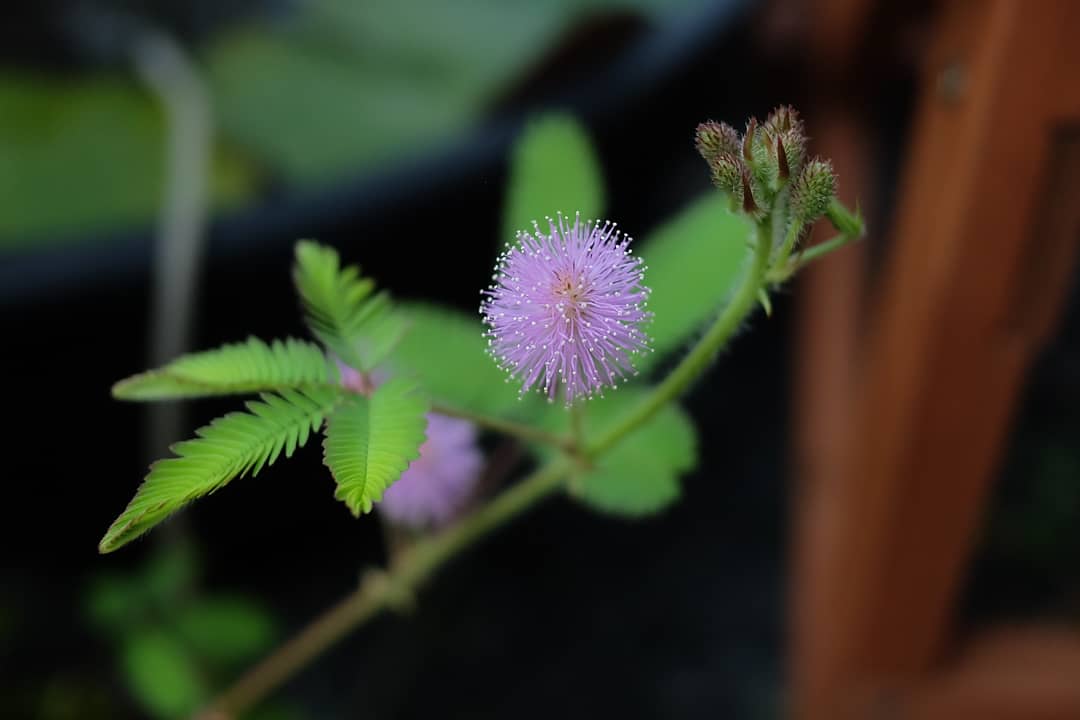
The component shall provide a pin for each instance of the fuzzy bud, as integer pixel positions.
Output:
(813, 191)
(748, 141)
(764, 165)
(782, 120)
(795, 149)
(784, 169)
(713, 139)
(727, 175)
(748, 205)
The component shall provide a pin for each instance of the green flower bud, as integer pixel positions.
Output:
(713, 139)
(782, 120)
(727, 175)
(765, 165)
(748, 141)
(794, 149)
(813, 191)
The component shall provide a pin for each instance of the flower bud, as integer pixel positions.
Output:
(782, 120)
(795, 149)
(713, 139)
(727, 175)
(813, 190)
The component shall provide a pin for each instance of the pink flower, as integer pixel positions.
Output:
(437, 485)
(566, 309)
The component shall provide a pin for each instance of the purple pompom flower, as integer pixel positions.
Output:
(566, 308)
(438, 484)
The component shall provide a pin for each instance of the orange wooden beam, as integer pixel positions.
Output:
(982, 250)
(1016, 673)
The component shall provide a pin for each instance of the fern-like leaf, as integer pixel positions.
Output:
(359, 327)
(369, 442)
(234, 369)
(229, 447)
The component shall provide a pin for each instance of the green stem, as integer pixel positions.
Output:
(396, 587)
(699, 358)
(850, 226)
(383, 590)
(507, 427)
(820, 250)
(794, 230)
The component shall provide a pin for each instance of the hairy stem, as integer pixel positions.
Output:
(820, 250)
(507, 427)
(702, 354)
(382, 590)
(395, 588)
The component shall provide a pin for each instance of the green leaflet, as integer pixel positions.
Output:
(554, 169)
(228, 447)
(369, 442)
(234, 369)
(693, 263)
(360, 328)
(444, 353)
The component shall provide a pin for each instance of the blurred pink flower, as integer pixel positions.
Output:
(438, 484)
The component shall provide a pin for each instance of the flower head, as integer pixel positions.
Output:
(566, 308)
(437, 485)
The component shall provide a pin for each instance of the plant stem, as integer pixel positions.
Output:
(383, 590)
(507, 427)
(396, 587)
(820, 250)
(795, 228)
(577, 424)
(695, 363)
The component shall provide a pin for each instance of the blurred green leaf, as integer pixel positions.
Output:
(329, 88)
(693, 263)
(444, 351)
(640, 475)
(171, 571)
(226, 629)
(161, 674)
(87, 155)
(114, 603)
(554, 169)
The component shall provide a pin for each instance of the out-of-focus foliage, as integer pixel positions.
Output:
(160, 673)
(554, 169)
(444, 352)
(641, 474)
(82, 155)
(1036, 528)
(327, 89)
(694, 261)
(174, 645)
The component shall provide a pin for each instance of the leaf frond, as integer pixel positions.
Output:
(229, 447)
(370, 441)
(233, 369)
(342, 308)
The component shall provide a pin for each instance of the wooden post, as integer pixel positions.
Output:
(981, 254)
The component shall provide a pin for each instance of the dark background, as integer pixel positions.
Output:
(565, 612)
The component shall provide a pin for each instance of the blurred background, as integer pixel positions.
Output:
(158, 159)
